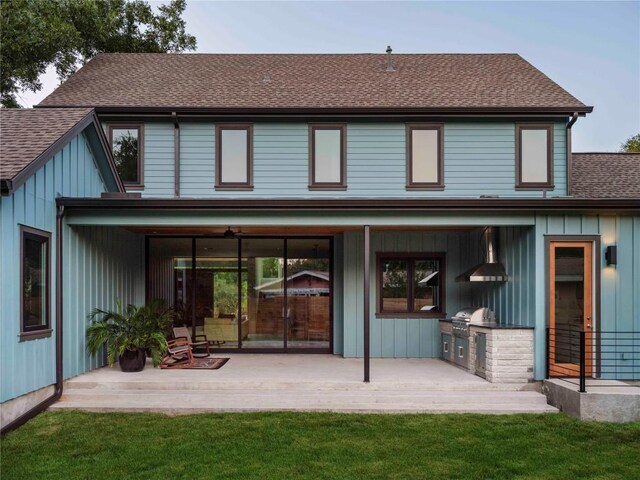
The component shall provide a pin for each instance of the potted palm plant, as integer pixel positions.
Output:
(130, 333)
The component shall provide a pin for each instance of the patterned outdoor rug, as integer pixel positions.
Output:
(209, 363)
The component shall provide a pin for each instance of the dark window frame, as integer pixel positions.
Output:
(411, 258)
(219, 184)
(439, 184)
(342, 184)
(139, 185)
(548, 185)
(38, 331)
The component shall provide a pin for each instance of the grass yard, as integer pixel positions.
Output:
(265, 446)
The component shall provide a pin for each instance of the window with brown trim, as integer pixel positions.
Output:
(327, 154)
(425, 156)
(534, 156)
(410, 284)
(127, 145)
(35, 282)
(234, 157)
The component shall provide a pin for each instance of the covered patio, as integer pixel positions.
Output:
(298, 382)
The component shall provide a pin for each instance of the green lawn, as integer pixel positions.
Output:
(265, 446)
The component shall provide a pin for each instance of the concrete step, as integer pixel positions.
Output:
(188, 385)
(180, 402)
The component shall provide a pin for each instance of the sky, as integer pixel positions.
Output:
(592, 49)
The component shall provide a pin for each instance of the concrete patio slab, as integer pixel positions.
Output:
(300, 383)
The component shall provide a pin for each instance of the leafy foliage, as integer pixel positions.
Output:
(125, 155)
(130, 328)
(632, 145)
(68, 33)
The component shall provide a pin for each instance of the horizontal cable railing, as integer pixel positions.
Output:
(573, 352)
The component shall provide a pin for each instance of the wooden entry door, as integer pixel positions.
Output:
(570, 306)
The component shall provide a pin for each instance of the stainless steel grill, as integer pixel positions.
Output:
(461, 322)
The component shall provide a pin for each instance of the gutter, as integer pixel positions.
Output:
(504, 204)
(57, 393)
(573, 120)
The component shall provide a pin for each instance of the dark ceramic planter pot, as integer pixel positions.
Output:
(132, 361)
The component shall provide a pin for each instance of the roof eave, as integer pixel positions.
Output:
(444, 111)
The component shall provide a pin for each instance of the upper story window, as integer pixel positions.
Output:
(126, 145)
(534, 156)
(327, 153)
(234, 157)
(35, 282)
(425, 156)
(410, 284)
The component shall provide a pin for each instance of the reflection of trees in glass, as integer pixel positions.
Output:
(395, 279)
(270, 267)
(296, 265)
(225, 291)
(125, 154)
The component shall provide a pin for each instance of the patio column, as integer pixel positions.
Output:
(366, 301)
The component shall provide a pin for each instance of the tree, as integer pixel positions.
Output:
(632, 145)
(68, 33)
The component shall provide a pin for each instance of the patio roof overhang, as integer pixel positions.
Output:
(345, 212)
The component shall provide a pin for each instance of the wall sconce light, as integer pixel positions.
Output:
(611, 255)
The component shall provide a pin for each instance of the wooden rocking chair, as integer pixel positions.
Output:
(179, 354)
(183, 332)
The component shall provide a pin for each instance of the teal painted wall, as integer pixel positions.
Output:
(28, 366)
(620, 285)
(401, 337)
(512, 301)
(479, 160)
(159, 166)
(101, 264)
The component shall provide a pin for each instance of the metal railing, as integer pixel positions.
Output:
(575, 353)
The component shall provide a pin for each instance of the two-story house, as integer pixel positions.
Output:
(390, 191)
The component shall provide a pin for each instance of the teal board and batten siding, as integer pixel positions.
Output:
(401, 337)
(28, 366)
(513, 302)
(479, 159)
(101, 265)
(620, 285)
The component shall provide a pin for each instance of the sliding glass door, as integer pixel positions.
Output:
(248, 293)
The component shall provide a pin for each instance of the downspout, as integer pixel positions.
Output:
(57, 392)
(573, 120)
(176, 154)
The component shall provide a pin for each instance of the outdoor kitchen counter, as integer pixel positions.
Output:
(508, 351)
(495, 326)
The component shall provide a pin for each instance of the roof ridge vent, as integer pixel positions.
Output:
(266, 78)
(390, 67)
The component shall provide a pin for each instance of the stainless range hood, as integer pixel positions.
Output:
(490, 270)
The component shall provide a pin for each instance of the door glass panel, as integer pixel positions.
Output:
(263, 314)
(308, 293)
(217, 298)
(569, 302)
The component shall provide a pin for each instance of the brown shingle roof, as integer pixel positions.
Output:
(25, 134)
(606, 175)
(30, 137)
(312, 81)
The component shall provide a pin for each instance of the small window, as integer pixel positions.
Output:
(35, 281)
(411, 284)
(234, 157)
(425, 157)
(534, 155)
(126, 145)
(327, 168)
